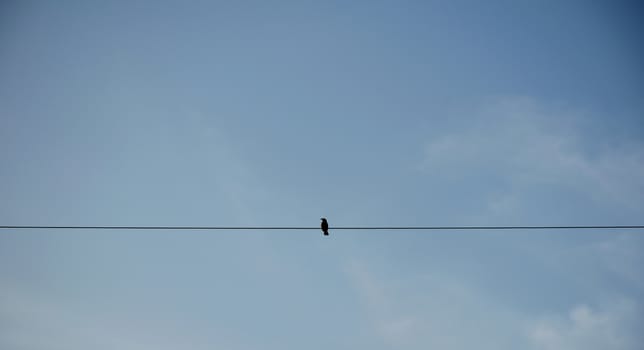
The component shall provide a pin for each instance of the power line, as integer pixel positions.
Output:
(282, 228)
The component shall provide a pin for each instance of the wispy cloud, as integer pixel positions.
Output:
(589, 328)
(438, 311)
(526, 147)
(433, 310)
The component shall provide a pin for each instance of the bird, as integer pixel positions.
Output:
(324, 226)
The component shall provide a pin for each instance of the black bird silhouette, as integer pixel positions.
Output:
(324, 226)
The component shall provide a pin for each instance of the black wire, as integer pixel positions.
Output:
(255, 228)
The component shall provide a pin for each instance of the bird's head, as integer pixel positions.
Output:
(323, 219)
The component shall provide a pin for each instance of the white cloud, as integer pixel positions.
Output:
(620, 255)
(589, 329)
(437, 310)
(433, 311)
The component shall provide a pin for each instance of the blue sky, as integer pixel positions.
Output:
(278, 113)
